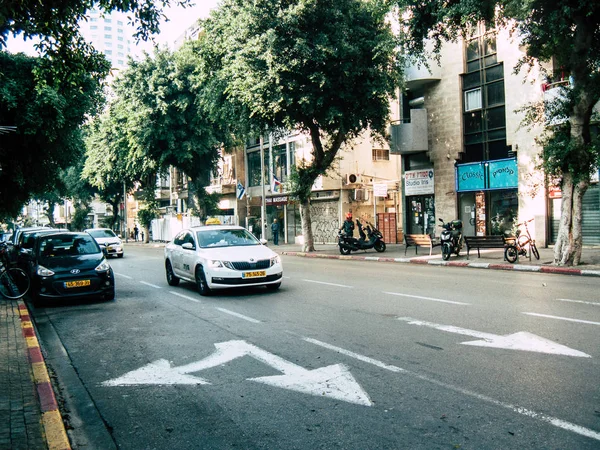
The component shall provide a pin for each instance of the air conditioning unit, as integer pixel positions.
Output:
(352, 178)
(361, 195)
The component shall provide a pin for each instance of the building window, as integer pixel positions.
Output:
(380, 154)
(119, 38)
(484, 117)
(107, 20)
(280, 162)
(108, 36)
(108, 44)
(120, 46)
(108, 52)
(120, 62)
(120, 23)
(107, 28)
(120, 30)
(254, 178)
(473, 99)
(93, 27)
(120, 54)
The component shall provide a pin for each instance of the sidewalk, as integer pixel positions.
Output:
(490, 259)
(29, 415)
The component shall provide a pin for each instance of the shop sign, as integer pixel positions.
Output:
(503, 174)
(470, 177)
(487, 175)
(380, 190)
(279, 200)
(418, 182)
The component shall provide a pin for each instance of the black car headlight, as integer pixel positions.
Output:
(43, 272)
(103, 266)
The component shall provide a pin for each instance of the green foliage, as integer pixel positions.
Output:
(47, 113)
(147, 214)
(79, 220)
(327, 68)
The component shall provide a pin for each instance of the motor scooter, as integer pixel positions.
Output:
(451, 239)
(371, 239)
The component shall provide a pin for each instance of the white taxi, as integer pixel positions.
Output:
(221, 257)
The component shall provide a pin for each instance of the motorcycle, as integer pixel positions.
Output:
(371, 239)
(451, 239)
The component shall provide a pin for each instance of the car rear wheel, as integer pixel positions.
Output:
(203, 288)
(171, 278)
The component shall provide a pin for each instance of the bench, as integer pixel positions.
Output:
(480, 242)
(419, 240)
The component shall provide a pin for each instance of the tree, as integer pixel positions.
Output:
(48, 98)
(47, 114)
(327, 68)
(156, 121)
(565, 31)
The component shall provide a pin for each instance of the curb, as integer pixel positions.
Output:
(54, 428)
(472, 265)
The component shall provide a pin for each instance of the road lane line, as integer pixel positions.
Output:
(559, 423)
(577, 301)
(185, 296)
(547, 316)
(151, 285)
(241, 316)
(428, 298)
(354, 355)
(124, 276)
(328, 284)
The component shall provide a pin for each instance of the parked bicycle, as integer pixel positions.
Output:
(521, 244)
(14, 282)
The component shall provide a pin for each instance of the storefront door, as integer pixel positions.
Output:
(420, 214)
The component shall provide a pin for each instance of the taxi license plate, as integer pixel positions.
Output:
(255, 274)
(75, 284)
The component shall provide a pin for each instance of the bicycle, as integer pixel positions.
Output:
(522, 242)
(14, 282)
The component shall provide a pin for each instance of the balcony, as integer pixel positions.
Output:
(412, 136)
(418, 76)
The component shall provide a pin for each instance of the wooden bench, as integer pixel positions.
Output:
(480, 242)
(419, 240)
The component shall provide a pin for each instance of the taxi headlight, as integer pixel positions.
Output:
(214, 264)
(275, 260)
(43, 272)
(103, 266)
(228, 265)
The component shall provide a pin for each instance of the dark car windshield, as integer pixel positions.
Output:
(102, 234)
(225, 238)
(67, 245)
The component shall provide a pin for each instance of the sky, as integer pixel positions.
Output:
(179, 20)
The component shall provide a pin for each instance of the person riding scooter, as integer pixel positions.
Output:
(348, 226)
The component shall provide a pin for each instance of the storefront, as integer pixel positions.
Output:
(488, 196)
(420, 206)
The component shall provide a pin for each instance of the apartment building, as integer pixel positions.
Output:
(478, 163)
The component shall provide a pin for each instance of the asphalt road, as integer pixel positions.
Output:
(346, 355)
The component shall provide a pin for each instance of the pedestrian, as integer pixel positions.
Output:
(142, 236)
(348, 225)
(136, 232)
(275, 231)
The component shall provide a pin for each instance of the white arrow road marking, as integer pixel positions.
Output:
(333, 381)
(427, 298)
(562, 318)
(517, 341)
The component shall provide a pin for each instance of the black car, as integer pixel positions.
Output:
(65, 266)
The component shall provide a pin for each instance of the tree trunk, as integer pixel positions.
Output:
(569, 243)
(309, 245)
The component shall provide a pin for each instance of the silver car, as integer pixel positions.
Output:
(107, 239)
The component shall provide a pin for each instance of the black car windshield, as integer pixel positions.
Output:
(67, 245)
(98, 234)
(225, 238)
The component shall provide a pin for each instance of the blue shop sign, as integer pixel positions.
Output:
(487, 175)
(502, 174)
(470, 177)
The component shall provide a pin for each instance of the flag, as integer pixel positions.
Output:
(240, 190)
(276, 187)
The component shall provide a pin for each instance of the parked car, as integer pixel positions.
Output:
(105, 237)
(21, 240)
(220, 257)
(65, 266)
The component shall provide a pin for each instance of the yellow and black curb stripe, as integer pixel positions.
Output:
(54, 428)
